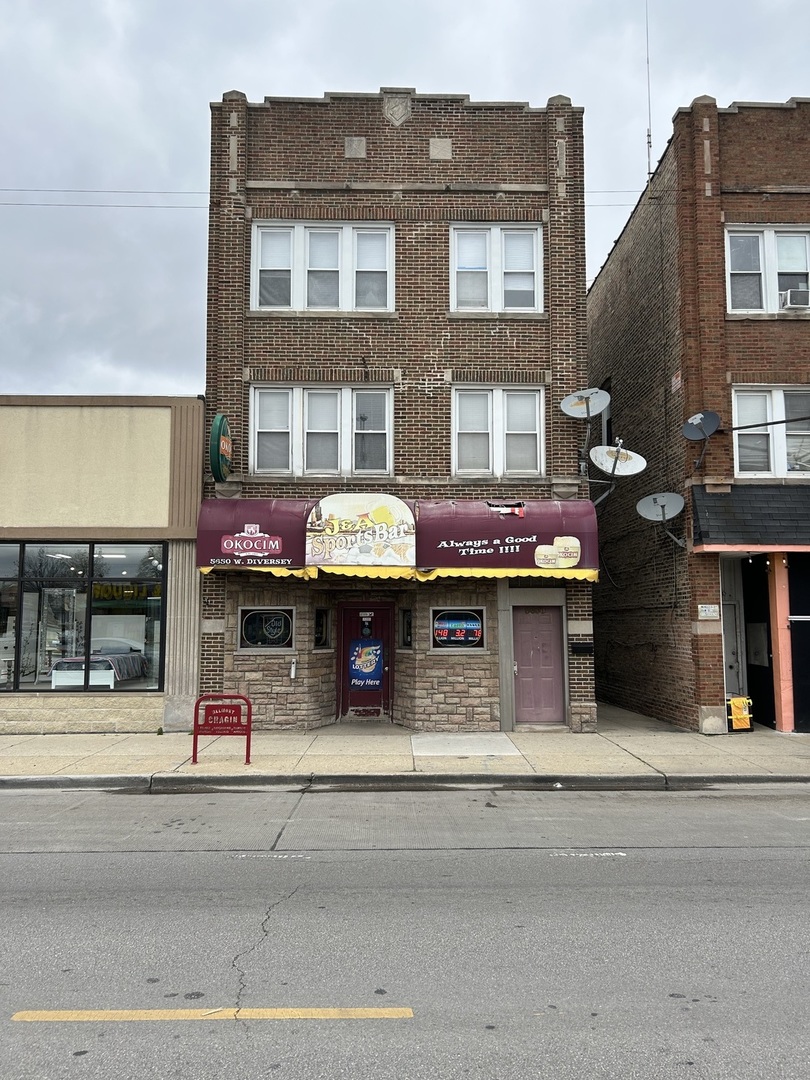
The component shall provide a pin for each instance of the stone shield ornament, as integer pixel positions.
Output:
(396, 108)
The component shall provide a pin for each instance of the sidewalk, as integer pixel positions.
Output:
(630, 751)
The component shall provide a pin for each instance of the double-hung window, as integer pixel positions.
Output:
(496, 268)
(301, 267)
(498, 431)
(333, 431)
(768, 269)
(772, 431)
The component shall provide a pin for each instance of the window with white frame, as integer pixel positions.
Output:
(302, 267)
(496, 268)
(336, 431)
(767, 269)
(498, 431)
(772, 431)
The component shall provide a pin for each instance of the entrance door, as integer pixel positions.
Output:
(539, 672)
(365, 675)
(733, 654)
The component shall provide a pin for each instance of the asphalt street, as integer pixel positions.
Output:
(448, 934)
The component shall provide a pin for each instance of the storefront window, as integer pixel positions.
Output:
(265, 628)
(81, 617)
(322, 637)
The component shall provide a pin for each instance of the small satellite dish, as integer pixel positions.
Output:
(616, 461)
(585, 403)
(662, 506)
(701, 426)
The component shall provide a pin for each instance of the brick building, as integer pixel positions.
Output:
(702, 309)
(395, 524)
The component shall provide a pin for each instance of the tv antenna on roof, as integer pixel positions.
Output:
(662, 507)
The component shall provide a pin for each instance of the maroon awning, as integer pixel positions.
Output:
(541, 537)
(253, 534)
(463, 538)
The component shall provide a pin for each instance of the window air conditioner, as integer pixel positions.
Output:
(795, 298)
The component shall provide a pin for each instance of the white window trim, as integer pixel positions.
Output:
(495, 271)
(777, 432)
(347, 263)
(769, 264)
(497, 430)
(297, 429)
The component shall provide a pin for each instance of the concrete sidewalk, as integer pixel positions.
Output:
(630, 751)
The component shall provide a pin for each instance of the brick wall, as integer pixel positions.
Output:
(285, 159)
(659, 331)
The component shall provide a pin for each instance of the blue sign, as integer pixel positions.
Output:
(366, 664)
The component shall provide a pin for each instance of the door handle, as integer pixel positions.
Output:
(515, 667)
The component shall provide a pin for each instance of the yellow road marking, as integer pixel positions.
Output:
(213, 1014)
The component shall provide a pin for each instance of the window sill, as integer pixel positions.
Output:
(321, 478)
(509, 316)
(796, 477)
(284, 313)
(768, 316)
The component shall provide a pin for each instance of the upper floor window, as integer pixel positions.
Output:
(767, 269)
(496, 268)
(773, 431)
(300, 267)
(338, 431)
(498, 432)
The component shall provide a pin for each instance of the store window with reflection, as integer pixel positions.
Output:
(81, 616)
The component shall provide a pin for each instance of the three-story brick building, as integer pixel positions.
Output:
(396, 523)
(699, 323)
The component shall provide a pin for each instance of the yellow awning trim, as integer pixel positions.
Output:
(410, 573)
(276, 571)
(504, 572)
(406, 573)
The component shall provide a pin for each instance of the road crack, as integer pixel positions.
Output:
(264, 928)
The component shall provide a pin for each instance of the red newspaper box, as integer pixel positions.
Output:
(222, 714)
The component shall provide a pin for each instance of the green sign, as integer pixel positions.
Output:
(221, 449)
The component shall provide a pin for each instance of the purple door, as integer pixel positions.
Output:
(539, 675)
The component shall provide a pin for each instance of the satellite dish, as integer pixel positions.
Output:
(701, 426)
(662, 506)
(585, 403)
(616, 461)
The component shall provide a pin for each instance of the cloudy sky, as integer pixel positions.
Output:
(105, 129)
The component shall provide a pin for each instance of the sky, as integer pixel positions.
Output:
(104, 136)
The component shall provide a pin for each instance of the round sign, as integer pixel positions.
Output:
(220, 449)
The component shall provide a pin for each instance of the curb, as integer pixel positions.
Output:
(176, 783)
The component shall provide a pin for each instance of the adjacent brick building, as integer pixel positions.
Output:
(701, 317)
(395, 523)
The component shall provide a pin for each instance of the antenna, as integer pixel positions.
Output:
(584, 405)
(701, 426)
(662, 507)
(649, 96)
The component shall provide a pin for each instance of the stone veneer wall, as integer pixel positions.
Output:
(57, 712)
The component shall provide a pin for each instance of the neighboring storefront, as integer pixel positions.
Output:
(759, 534)
(99, 598)
(456, 615)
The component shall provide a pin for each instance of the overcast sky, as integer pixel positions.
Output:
(104, 136)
